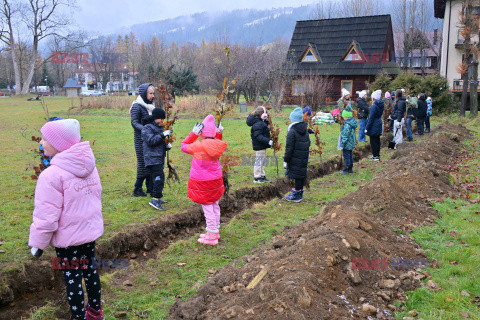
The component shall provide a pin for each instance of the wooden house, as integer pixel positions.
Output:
(345, 53)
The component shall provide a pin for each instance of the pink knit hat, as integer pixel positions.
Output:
(62, 134)
(387, 95)
(209, 129)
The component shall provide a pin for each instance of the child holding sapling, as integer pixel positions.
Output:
(260, 134)
(347, 139)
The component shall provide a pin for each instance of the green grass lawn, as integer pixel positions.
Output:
(454, 241)
(111, 134)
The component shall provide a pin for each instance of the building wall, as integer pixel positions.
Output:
(451, 56)
(333, 92)
(72, 92)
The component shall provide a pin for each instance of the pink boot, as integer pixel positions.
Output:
(204, 234)
(210, 238)
(92, 314)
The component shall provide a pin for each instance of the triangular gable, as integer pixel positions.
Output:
(354, 53)
(310, 54)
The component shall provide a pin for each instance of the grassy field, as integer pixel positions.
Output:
(111, 134)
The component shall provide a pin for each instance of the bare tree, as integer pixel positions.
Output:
(41, 19)
(358, 8)
(324, 10)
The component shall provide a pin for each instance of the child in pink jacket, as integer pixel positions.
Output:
(205, 185)
(68, 214)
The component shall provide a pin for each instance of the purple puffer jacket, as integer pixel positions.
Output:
(68, 208)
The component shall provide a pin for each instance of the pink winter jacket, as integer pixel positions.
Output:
(68, 208)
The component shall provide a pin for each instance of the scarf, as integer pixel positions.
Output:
(147, 106)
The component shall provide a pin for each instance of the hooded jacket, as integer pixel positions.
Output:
(374, 125)
(205, 185)
(259, 133)
(68, 208)
(154, 147)
(363, 108)
(348, 134)
(422, 107)
(399, 109)
(297, 150)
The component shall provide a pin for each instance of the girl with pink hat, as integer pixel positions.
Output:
(68, 214)
(205, 185)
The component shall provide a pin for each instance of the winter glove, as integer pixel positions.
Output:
(37, 253)
(285, 165)
(167, 133)
(366, 130)
(197, 128)
(220, 128)
(270, 143)
(169, 146)
(389, 118)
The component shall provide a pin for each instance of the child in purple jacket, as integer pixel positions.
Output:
(68, 214)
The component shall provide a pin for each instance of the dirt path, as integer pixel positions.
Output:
(144, 242)
(343, 263)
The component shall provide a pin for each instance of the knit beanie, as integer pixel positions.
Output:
(142, 91)
(158, 113)
(62, 134)
(347, 112)
(296, 115)
(345, 92)
(307, 110)
(209, 129)
(377, 95)
(387, 95)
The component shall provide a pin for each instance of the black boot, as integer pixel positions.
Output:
(139, 193)
(350, 169)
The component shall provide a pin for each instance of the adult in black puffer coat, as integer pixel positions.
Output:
(421, 113)
(363, 111)
(140, 110)
(296, 153)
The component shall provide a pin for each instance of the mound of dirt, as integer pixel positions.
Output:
(347, 262)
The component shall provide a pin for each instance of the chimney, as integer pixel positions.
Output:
(435, 36)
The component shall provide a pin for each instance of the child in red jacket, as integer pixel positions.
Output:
(205, 185)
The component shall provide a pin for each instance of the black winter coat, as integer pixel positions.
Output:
(260, 133)
(154, 146)
(297, 150)
(138, 114)
(399, 109)
(374, 124)
(422, 107)
(363, 108)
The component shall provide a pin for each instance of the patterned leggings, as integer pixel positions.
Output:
(78, 262)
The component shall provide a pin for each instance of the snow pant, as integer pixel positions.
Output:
(259, 165)
(77, 263)
(420, 125)
(212, 216)
(348, 156)
(299, 184)
(362, 123)
(398, 131)
(157, 177)
(427, 123)
(375, 145)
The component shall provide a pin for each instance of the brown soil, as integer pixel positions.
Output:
(310, 272)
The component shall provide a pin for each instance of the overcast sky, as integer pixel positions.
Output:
(107, 15)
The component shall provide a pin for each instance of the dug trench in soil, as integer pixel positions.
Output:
(314, 270)
(37, 280)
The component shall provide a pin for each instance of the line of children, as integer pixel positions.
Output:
(68, 214)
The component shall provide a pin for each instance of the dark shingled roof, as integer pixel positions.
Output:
(332, 38)
(73, 83)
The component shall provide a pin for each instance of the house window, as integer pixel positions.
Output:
(348, 84)
(309, 57)
(416, 62)
(353, 56)
(300, 87)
